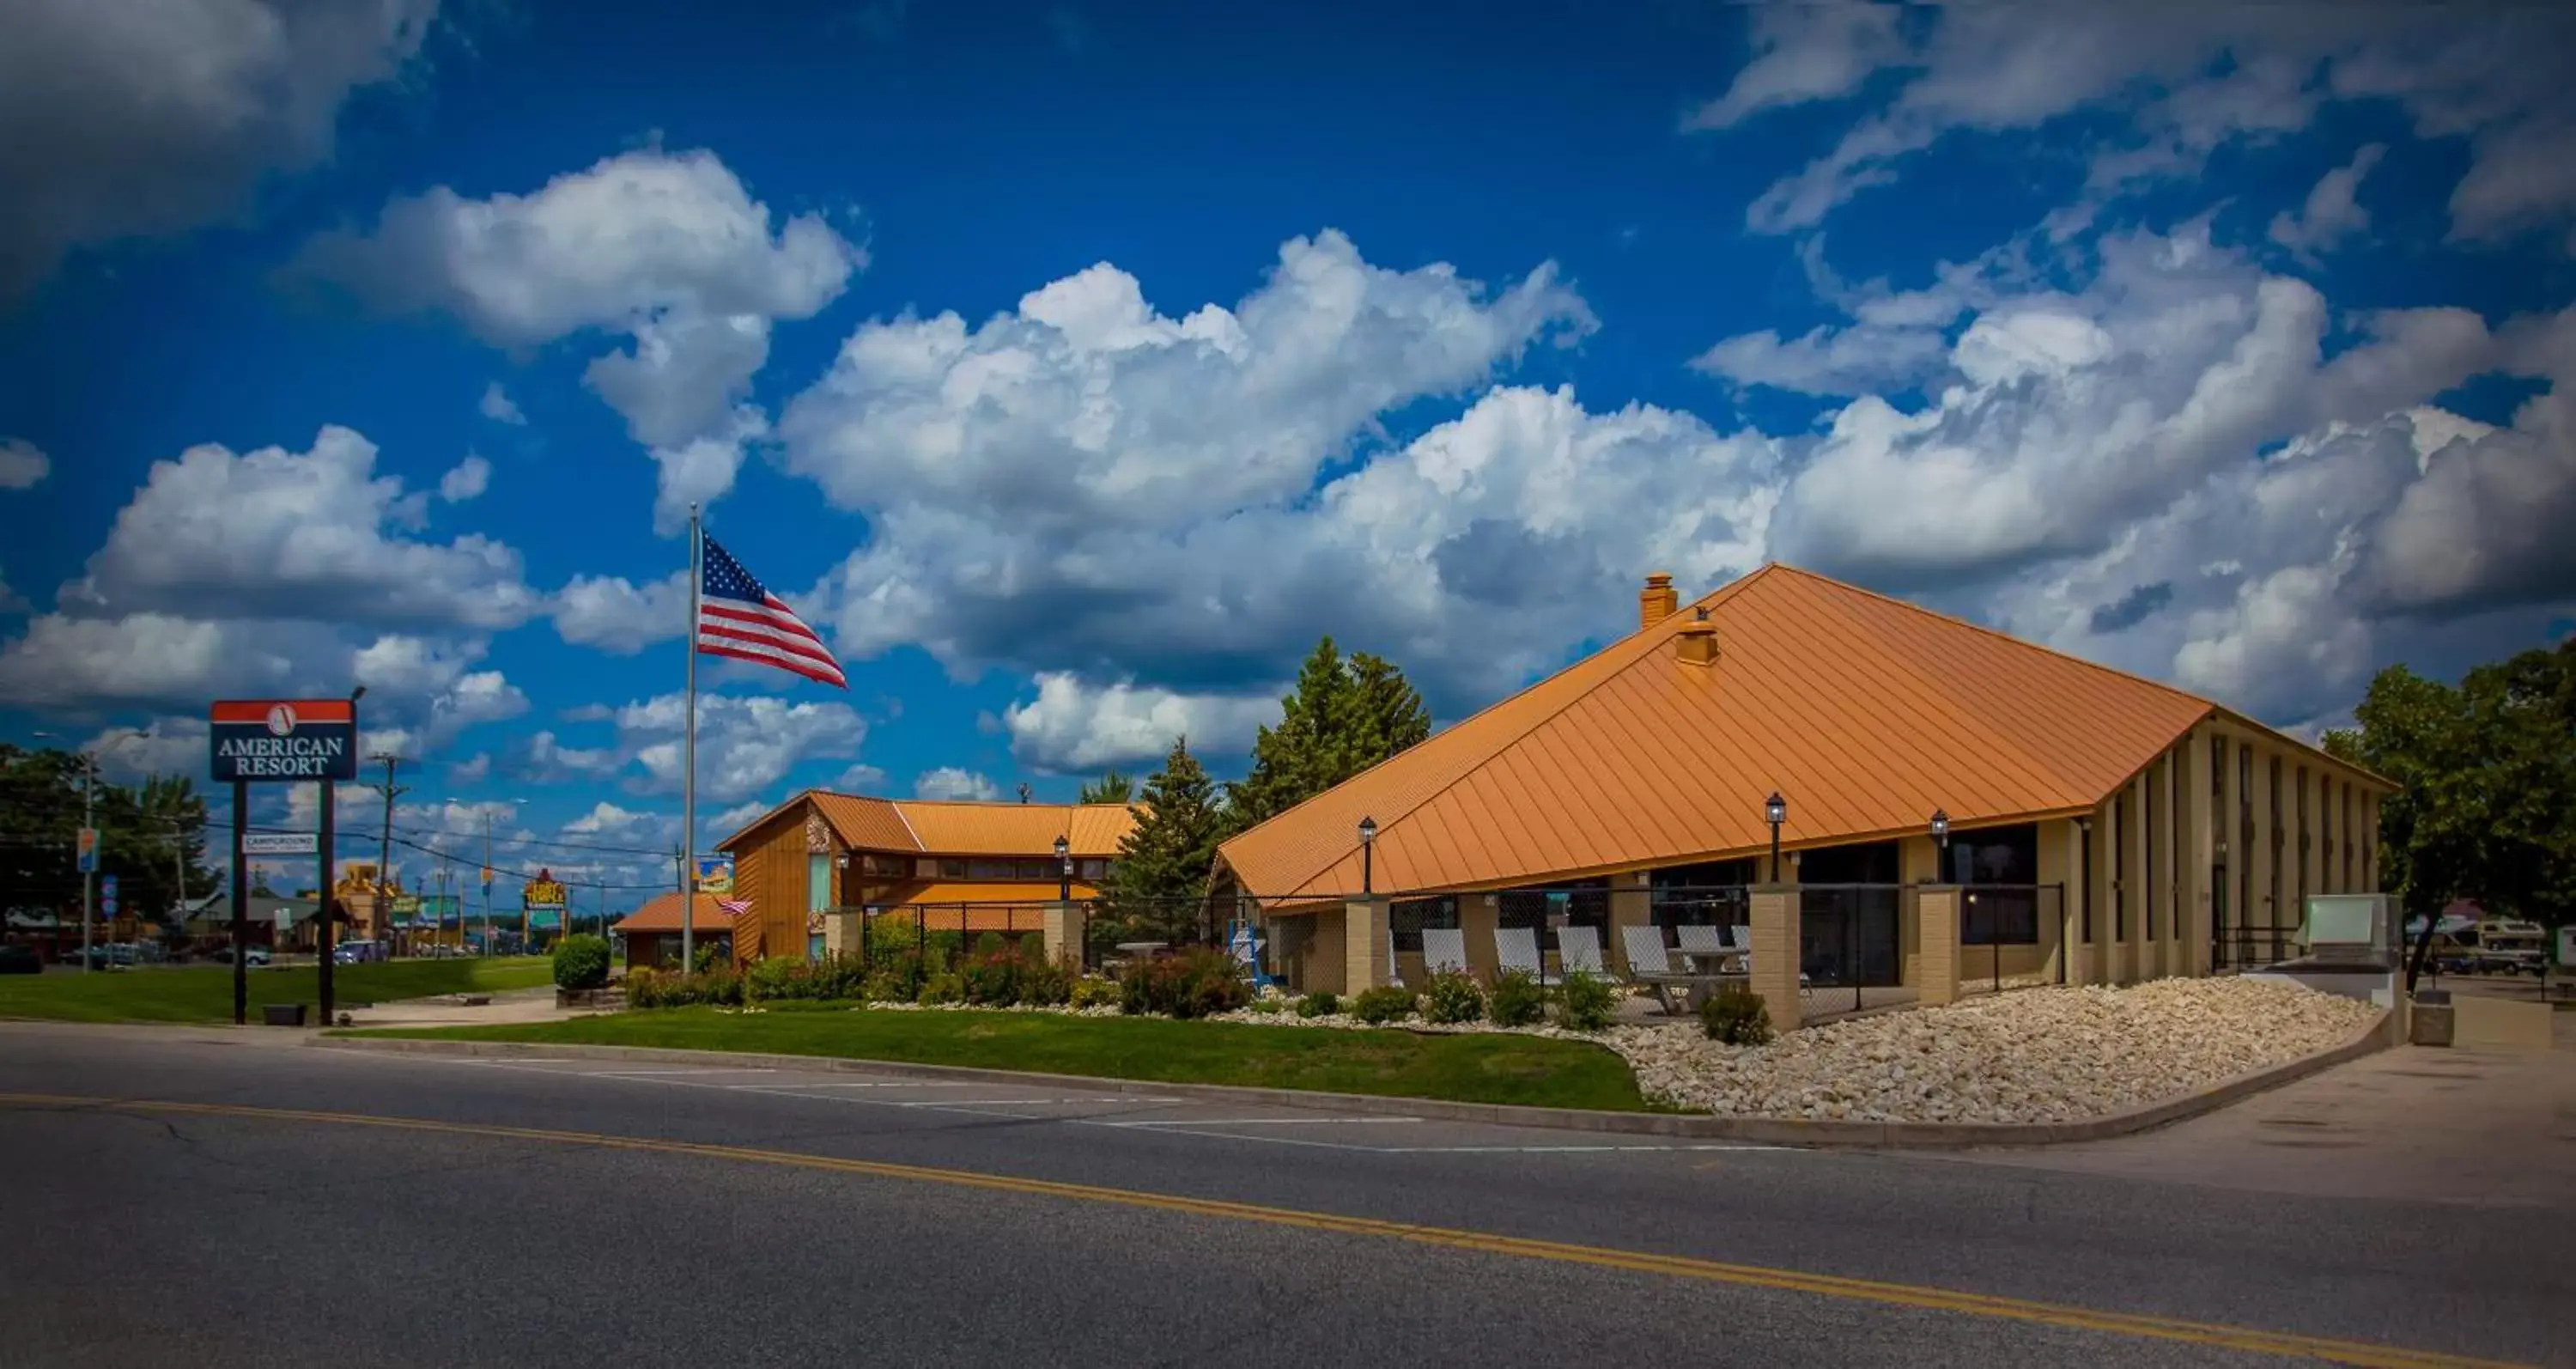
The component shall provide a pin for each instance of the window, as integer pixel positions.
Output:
(1711, 893)
(2000, 866)
(1999, 917)
(1408, 917)
(2346, 825)
(2147, 877)
(988, 869)
(2299, 909)
(951, 869)
(1092, 869)
(2120, 868)
(1581, 903)
(882, 866)
(818, 883)
(2280, 842)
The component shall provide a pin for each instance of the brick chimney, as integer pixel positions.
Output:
(1696, 642)
(1656, 601)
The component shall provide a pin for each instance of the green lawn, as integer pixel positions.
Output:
(1494, 1068)
(204, 993)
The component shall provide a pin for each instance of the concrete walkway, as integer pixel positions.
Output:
(511, 1005)
(2490, 1128)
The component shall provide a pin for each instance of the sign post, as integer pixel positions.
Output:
(260, 741)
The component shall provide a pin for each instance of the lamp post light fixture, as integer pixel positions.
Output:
(1940, 845)
(1775, 810)
(1368, 855)
(1064, 870)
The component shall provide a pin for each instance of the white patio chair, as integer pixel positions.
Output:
(1700, 939)
(1739, 938)
(1579, 948)
(1444, 949)
(1516, 948)
(1394, 967)
(1649, 965)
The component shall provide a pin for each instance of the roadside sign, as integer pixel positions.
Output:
(107, 885)
(715, 875)
(88, 850)
(284, 739)
(107, 895)
(107, 906)
(281, 844)
(285, 919)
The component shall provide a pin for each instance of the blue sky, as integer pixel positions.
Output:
(1073, 367)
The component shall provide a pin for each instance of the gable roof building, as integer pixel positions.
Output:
(967, 865)
(1865, 713)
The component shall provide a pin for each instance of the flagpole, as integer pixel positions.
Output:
(689, 764)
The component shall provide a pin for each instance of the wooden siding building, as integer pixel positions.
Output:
(814, 865)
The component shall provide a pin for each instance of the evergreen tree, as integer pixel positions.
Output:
(1111, 787)
(1154, 891)
(1343, 717)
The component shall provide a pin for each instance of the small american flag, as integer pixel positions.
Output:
(740, 618)
(734, 907)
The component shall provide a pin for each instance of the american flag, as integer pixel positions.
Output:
(737, 617)
(734, 907)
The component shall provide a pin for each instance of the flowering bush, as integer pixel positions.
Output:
(1093, 992)
(1453, 996)
(1195, 983)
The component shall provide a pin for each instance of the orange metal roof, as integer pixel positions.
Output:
(953, 893)
(662, 914)
(961, 828)
(1864, 712)
(958, 827)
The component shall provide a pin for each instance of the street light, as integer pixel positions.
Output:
(1775, 810)
(1064, 870)
(1368, 855)
(1940, 845)
(89, 822)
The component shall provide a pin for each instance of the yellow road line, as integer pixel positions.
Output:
(1642, 1262)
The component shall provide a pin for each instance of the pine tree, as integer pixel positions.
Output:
(1155, 889)
(1111, 787)
(1343, 717)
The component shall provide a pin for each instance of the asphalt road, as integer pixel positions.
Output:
(250, 1202)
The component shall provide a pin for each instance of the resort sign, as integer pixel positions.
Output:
(260, 740)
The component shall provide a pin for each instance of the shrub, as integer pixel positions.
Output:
(709, 956)
(1269, 1007)
(887, 986)
(721, 986)
(1318, 1004)
(1586, 1003)
(1735, 1015)
(989, 943)
(992, 978)
(581, 962)
(942, 987)
(1033, 946)
(1093, 992)
(1045, 982)
(1453, 997)
(645, 988)
(889, 937)
(771, 977)
(1195, 983)
(840, 978)
(1383, 1004)
(1517, 1000)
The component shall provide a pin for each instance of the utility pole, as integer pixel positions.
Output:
(89, 877)
(385, 849)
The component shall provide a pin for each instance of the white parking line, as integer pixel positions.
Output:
(632, 1074)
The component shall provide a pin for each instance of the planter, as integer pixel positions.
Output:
(282, 1014)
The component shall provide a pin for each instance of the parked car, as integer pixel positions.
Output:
(17, 959)
(357, 952)
(253, 956)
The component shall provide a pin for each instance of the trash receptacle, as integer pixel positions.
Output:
(283, 1014)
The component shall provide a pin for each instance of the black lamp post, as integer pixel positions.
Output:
(1064, 870)
(1940, 846)
(1368, 855)
(1775, 810)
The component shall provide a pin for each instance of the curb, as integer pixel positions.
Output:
(1762, 1130)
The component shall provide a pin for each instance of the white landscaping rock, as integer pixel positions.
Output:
(2039, 1055)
